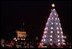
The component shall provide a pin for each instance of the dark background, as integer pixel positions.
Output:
(34, 14)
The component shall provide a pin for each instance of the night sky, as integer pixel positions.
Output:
(34, 14)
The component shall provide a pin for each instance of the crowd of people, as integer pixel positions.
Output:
(25, 44)
(15, 44)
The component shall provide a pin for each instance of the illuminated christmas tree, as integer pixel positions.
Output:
(53, 33)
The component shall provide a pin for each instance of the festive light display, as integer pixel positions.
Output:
(53, 33)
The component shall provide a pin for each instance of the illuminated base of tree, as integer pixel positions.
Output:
(53, 46)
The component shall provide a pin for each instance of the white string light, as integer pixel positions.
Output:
(55, 14)
(61, 32)
(52, 18)
(50, 39)
(62, 36)
(56, 23)
(41, 43)
(55, 18)
(46, 28)
(58, 32)
(50, 35)
(58, 40)
(44, 35)
(53, 5)
(60, 28)
(52, 23)
(58, 43)
(59, 24)
(47, 23)
(51, 27)
(45, 31)
(63, 40)
(48, 18)
(43, 39)
(51, 32)
(53, 9)
(51, 43)
(57, 28)
(58, 36)
(58, 18)
(64, 44)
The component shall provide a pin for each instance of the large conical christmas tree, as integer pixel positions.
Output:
(53, 33)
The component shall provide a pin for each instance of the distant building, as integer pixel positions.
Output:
(21, 35)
